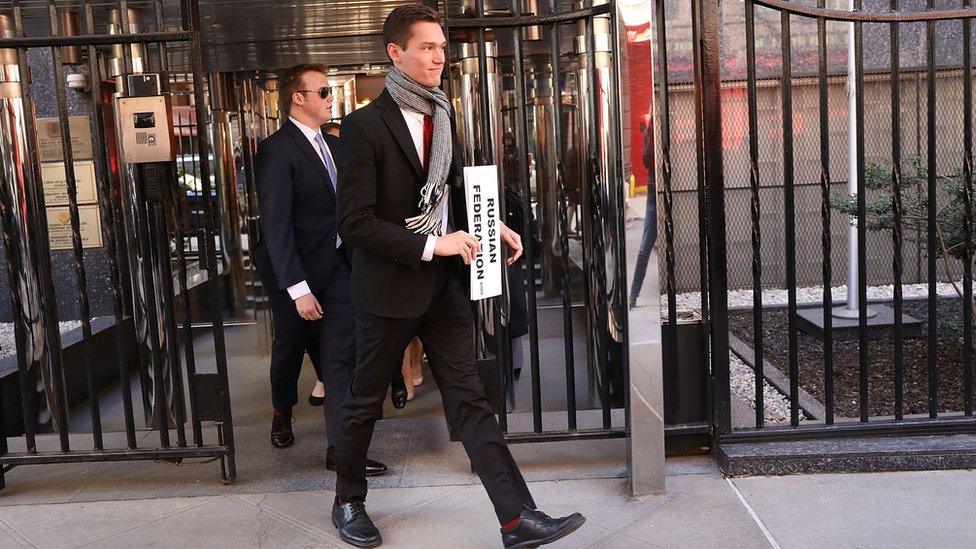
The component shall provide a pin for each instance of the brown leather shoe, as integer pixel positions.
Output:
(373, 468)
(281, 433)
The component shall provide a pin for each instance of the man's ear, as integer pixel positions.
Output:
(393, 51)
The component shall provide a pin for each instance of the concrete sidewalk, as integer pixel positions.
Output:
(702, 509)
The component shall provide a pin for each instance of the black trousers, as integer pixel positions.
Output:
(446, 333)
(330, 342)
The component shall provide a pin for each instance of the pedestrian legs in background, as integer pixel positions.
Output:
(413, 366)
(648, 240)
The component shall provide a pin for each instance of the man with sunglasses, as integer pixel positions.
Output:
(301, 259)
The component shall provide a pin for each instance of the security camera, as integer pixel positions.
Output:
(78, 82)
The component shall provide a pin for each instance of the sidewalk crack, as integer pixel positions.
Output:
(18, 537)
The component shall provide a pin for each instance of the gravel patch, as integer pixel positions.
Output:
(812, 294)
(776, 407)
(8, 343)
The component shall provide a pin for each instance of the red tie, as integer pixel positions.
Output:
(428, 137)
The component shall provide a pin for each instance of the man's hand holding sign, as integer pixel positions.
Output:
(463, 244)
(487, 232)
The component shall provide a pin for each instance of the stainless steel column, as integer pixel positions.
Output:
(224, 109)
(540, 101)
(470, 121)
(147, 292)
(600, 204)
(19, 212)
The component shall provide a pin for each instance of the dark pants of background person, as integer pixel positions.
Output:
(647, 244)
(330, 342)
(445, 330)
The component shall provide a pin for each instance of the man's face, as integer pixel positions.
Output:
(423, 58)
(310, 102)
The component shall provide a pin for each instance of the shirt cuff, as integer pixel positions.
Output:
(428, 254)
(298, 290)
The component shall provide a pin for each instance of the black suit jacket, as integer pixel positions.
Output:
(298, 211)
(380, 178)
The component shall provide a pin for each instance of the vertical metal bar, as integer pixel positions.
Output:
(38, 220)
(12, 238)
(563, 224)
(664, 121)
(187, 324)
(825, 236)
(488, 157)
(932, 198)
(710, 84)
(599, 266)
(967, 277)
(106, 209)
(702, 188)
(617, 207)
(133, 246)
(521, 121)
(81, 279)
(862, 264)
(164, 256)
(754, 183)
(214, 282)
(789, 215)
(896, 233)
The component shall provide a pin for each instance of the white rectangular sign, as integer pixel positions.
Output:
(484, 223)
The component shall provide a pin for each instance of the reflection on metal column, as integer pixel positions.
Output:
(467, 103)
(16, 187)
(599, 197)
(540, 102)
(150, 276)
(224, 109)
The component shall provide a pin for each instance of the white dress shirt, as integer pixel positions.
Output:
(415, 123)
(301, 289)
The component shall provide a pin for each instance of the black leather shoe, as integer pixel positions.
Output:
(373, 468)
(398, 391)
(281, 434)
(355, 526)
(536, 528)
(316, 401)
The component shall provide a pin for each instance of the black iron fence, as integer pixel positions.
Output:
(907, 370)
(143, 223)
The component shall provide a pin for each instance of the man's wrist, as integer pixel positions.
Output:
(428, 254)
(301, 289)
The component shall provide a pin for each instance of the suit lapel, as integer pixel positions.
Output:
(302, 142)
(398, 127)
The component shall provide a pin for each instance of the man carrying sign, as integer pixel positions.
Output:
(401, 206)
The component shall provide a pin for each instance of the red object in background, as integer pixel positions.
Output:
(640, 92)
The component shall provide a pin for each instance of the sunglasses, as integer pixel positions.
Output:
(323, 91)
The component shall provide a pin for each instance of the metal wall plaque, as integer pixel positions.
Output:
(49, 138)
(56, 183)
(59, 227)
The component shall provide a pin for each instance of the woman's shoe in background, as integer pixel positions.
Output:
(317, 400)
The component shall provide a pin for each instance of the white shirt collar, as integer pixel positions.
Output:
(411, 113)
(309, 132)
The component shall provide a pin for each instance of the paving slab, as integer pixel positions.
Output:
(907, 509)
(219, 522)
(466, 518)
(75, 524)
(700, 511)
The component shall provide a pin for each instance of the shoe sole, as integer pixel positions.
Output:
(557, 536)
(354, 543)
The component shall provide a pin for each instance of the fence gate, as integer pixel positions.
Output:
(536, 94)
(109, 260)
(893, 360)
